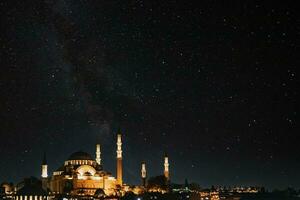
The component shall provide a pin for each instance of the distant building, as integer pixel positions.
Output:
(32, 190)
(6, 188)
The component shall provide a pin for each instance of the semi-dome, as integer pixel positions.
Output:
(80, 155)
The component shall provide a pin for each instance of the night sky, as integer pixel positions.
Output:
(212, 84)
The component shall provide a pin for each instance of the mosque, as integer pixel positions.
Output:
(81, 174)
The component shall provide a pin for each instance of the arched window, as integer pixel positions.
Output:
(86, 169)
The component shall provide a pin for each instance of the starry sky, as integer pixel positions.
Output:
(212, 84)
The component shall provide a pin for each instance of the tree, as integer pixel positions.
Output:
(194, 186)
(158, 182)
(129, 196)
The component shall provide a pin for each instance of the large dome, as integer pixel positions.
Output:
(80, 155)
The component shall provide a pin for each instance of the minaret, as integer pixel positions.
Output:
(144, 174)
(166, 168)
(98, 154)
(119, 159)
(44, 167)
(44, 173)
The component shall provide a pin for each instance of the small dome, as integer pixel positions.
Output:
(80, 155)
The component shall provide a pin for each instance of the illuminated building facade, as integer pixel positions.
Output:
(81, 174)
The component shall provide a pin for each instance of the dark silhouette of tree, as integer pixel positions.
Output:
(158, 182)
(194, 186)
(129, 196)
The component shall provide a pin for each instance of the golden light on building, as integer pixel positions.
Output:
(119, 159)
(98, 154)
(81, 174)
(144, 174)
(166, 167)
(44, 167)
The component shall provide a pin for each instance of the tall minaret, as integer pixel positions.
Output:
(144, 174)
(119, 159)
(44, 167)
(166, 167)
(44, 173)
(98, 154)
